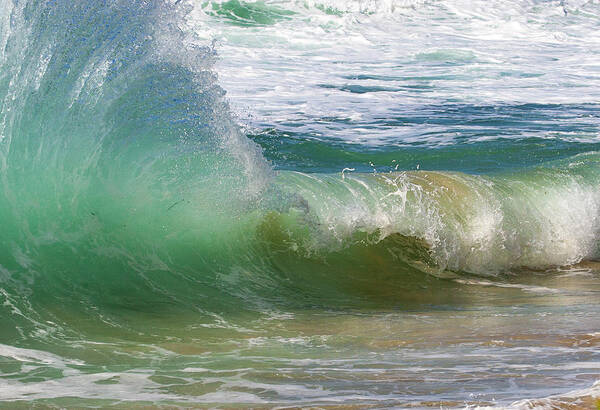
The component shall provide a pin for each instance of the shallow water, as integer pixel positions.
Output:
(494, 341)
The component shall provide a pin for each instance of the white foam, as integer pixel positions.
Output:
(572, 399)
(539, 219)
(497, 52)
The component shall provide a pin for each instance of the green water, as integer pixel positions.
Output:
(154, 253)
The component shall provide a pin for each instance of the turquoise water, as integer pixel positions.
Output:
(259, 204)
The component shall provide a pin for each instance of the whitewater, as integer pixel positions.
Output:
(299, 203)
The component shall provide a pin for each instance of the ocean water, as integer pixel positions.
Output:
(300, 203)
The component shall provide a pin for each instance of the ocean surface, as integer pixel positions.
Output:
(296, 203)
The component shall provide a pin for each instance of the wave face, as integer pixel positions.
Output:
(482, 224)
(141, 221)
(110, 120)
